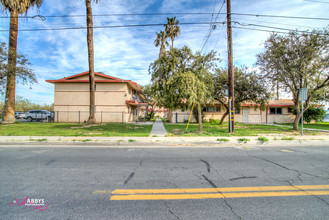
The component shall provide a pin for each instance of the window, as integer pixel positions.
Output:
(95, 86)
(237, 111)
(290, 110)
(211, 109)
(275, 111)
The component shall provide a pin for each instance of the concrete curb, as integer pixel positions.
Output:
(274, 140)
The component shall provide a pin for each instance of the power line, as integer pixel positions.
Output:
(150, 25)
(219, 36)
(285, 24)
(211, 28)
(109, 26)
(277, 28)
(171, 13)
(255, 29)
(281, 16)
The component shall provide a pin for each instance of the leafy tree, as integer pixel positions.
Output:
(313, 113)
(248, 86)
(90, 43)
(15, 7)
(24, 74)
(24, 105)
(297, 60)
(181, 78)
(147, 91)
(172, 29)
(161, 40)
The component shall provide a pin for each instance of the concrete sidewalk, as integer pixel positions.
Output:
(158, 129)
(274, 140)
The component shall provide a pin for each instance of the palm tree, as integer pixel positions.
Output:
(90, 43)
(172, 29)
(15, 7)
(161, 40)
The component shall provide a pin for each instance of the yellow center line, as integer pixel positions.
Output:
(212, 190)
(216, 196)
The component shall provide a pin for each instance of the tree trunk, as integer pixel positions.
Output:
(297, 119)
(162, 51)
(9, 112)
(172, 43)
(224, 116)
(200, 118)
(169, 115)
(90, 43)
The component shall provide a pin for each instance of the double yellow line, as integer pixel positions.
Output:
(215, 193)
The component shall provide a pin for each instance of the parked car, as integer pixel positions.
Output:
(39, 115)
(19, 115)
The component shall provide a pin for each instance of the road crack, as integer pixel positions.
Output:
(207, 165)
(308, 193)
(283, 167)
(224, 198)
(243, 177)
(299, 173)
(132, 174)
(171, 212)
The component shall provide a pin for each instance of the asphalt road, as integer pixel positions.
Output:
(204, 183)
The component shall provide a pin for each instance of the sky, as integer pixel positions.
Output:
(127, 52)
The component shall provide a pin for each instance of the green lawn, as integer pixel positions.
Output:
(222, 130)
(72, 129)
(318, 125)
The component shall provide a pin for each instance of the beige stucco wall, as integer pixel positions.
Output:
(285, 117)
(72, 102)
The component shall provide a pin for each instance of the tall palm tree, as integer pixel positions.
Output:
(161, 40)
(90, 43)
(15, 7)
(172, 29)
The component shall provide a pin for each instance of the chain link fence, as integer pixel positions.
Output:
(80, 116)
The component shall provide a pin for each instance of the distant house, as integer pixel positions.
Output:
(277, 111)
(117, 100)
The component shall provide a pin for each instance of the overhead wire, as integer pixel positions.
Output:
(219, 35)
(212, 16)
(174, 13)
(212, 27)
(107, 26)
(271, 27)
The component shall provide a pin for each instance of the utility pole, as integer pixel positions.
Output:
(230, 67)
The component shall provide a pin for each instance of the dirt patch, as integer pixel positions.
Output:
(86, 126)
(177, 132)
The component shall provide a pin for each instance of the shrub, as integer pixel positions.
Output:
(312, 113)
(263, 139)
(245, 140)
(214, 121)
(223, 140)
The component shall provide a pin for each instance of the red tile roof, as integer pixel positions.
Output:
(109, 79)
